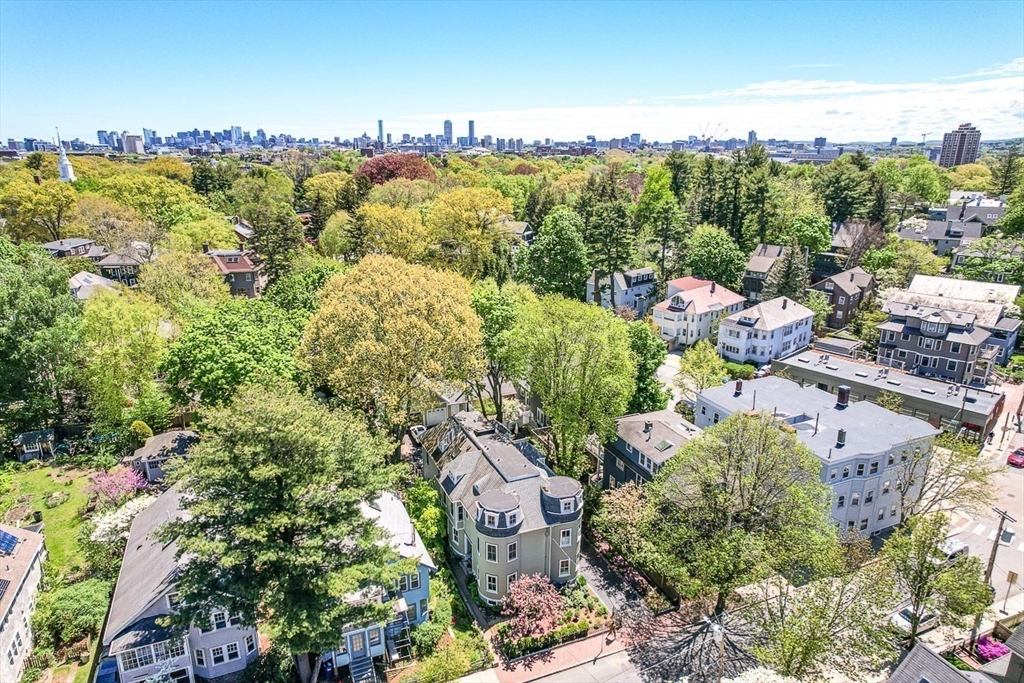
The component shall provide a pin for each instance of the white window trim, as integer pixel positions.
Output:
(568, 568)
(562, 542)
(488, 547)
(200, 656)
(510, 550)
(487, 583)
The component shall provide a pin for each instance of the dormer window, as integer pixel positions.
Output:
(232, 259)
(513, 519)
(491, 519)
(567, 506)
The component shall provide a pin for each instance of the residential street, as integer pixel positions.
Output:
(615, 668)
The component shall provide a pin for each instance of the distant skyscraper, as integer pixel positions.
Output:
(236, 134)
(820, 142)
(389, 138)
(960, 146)
(448, 132)
(472, 135)
(133, 144)
(752, 137)
(148, 135)
(892, 143)
(635, 139)
(380, 131)
(102, 138)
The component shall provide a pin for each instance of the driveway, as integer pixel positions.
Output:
(667, 374)
(626, 604)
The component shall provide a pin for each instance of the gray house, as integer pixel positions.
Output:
(149, 459)
(761, 262)
(634, 288)
(144, 595)
(946, 235)
(643, 444)
(507, 513)
(241, 271)
(860, 445)
(846, 291)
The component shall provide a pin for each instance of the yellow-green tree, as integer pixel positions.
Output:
(172, 168)
(464, 228)
(123, 347)
(389, 333)
(217, 233)
(110, 223)
(391, 230)
(153, 196)
(327, 193)
(183, 282)
(38, 212)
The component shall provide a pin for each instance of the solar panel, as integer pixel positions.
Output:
(7, 542)
(4, 585)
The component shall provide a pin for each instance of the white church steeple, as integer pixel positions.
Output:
(67, 174)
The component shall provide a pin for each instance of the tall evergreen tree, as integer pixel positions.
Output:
(610, 244)
(789, 276)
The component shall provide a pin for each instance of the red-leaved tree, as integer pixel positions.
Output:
(390, 166)
(118, 485)
(534, 605)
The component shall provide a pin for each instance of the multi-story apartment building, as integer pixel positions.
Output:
(861, 446)
(758, 267)
(634, 288)
(643, 444)
(508, 514)
(771, 329)
(846, 291)
(21, 570)
(243, 274)
(692, 306)
(960, 146)
(145, 595)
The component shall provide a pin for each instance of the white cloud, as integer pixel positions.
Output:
(847, 110)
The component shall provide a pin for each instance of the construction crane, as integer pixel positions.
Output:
(923, 136)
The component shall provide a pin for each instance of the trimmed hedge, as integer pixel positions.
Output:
(528, 645)
(738, 371)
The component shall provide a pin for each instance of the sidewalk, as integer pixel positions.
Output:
(543, 664)
(942, 639)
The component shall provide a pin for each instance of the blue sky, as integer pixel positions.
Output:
(850, 71)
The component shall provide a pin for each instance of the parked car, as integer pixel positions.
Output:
(1016, 459)
(952, 550)
(416, 433)
(901, 620)
(107, 671)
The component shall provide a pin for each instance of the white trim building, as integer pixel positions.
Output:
(771, 329)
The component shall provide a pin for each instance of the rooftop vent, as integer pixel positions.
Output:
(841, 438)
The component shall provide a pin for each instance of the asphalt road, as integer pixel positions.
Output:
(614, 668)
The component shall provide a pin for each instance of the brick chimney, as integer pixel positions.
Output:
(206, 247)
(739, 387)
(784, 302)
(843, 399)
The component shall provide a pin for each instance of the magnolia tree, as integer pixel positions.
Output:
(534, 606)
(114, 525)
(117, 486)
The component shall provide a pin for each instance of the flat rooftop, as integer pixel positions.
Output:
(816, 418)
(855, 373)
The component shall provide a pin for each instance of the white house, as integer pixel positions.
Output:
(21, 569)
(692, 306)
(634, 288)
(772, 329)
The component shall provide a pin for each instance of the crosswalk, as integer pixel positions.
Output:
(989, 534)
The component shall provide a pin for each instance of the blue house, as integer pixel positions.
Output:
(361, 644)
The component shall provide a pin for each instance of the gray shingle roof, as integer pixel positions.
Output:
(772, 314)
(148, 569)
(163, 446)
(390, 514)
(668, 428)
(923, 664)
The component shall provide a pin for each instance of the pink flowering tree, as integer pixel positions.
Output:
(534, 606)
(116, 486)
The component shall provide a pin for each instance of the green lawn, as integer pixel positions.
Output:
(62, 522)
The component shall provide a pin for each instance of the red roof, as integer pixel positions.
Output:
(685, 284)
(234, 262)
(698, 295)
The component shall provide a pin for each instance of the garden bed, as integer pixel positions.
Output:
(652, 593)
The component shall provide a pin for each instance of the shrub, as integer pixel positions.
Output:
(31, 675)
(69, 613)
(989, 649)
(738, 371)
(425, 637)
(56, 498)
(513, 648)
(533, 605)
(139, 431)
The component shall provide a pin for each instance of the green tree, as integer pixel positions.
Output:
(155, 198)
(742, 500)
(501, 309)
(298, 290)
(183, 282)
(839, 622)
(657, 212)
(890, 400)
(273, 528)
(213, 233)
(463, 226)
(557, 262)
(1007, 173)
(820, 306)
(68, 613)
(609, 240)
(843, 188)
(277, 234)
(700, 368)
(649, 351)
(239, 341)
(712, 255)
(123, 347)
(994, 259)
(945, 475)
(339, 238)
(918, 565)
(811, 231)
(39, 338)
(896, 263)
(38, 213)
(579, 366)
(391, 230)
(389, 334)
(327, 193)
(789, 276)
(680, 168)
(924, 180)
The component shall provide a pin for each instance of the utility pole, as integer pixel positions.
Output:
(1003, 518)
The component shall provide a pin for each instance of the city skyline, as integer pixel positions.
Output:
(834, 71)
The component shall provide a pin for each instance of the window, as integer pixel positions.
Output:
(232, 650)
(375, 634)
(455, 536)
(612, 483)
(951, 365)
(250, 644)
(201, 657)
(220, 620)
(846, 472)
(414, 581)
(892, 458)
(461, 512)
(885, 487)
(619, 465)
(491, 519)
(566, 506)
(492, 583)
(423, 607)
(217, 655)
(863, 524)
(860, 470)
(904, 336)
(842, 502)
(874, 468)
(248, 277)
(410, 612)
(716, 418)
(403, 581)
(511, 579)
(703, 410)
(832, 474)
(513, 519)
(173, 600)
(566, 538)
(892, 510)
(839, 315)
(868, 497)
(168, 650)
(881, 514)
(236, 620)
(563, 567)
(954, 347)
(492, 552)
(849, 525)
(855, 499)
(842, 300)
(513, 551)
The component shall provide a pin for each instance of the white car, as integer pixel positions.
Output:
(952, 550)
(901, 620)
(416, 433)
